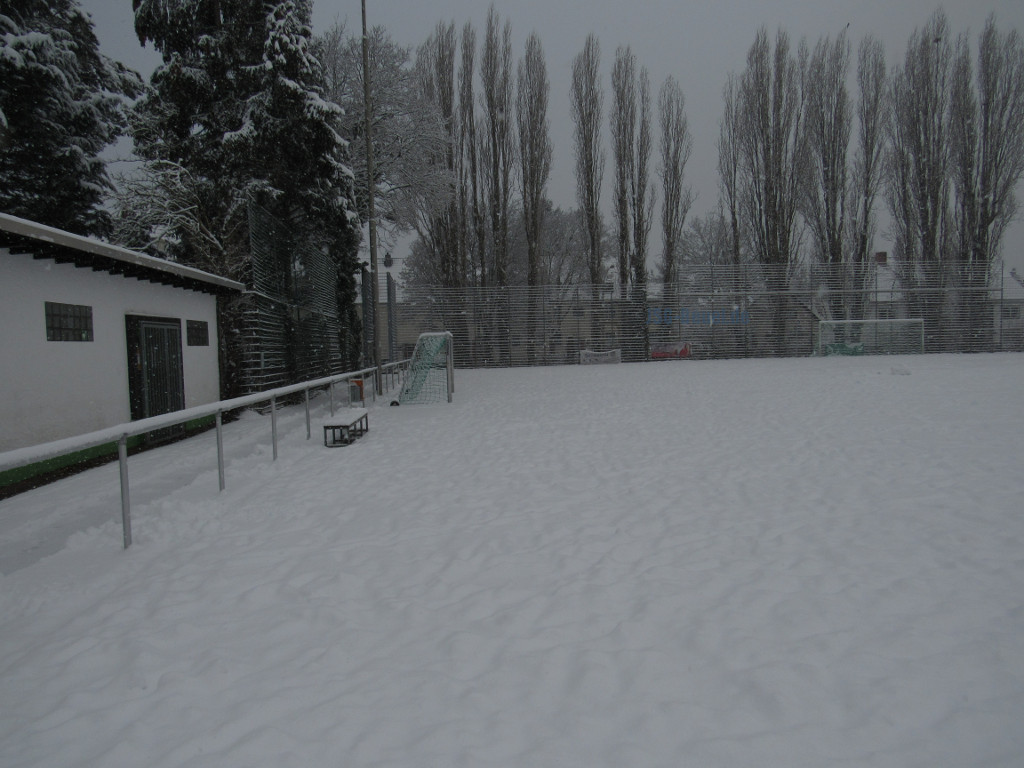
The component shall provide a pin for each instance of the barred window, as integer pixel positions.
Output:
(198, 333)
(68, 322)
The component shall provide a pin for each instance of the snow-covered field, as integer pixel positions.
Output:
(764, 563)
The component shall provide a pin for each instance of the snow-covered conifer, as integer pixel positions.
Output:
(61, 103)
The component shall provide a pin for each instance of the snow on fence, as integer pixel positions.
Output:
(392, 375)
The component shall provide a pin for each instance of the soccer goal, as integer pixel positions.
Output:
(871, 337)
(431, 375)
(589, 357)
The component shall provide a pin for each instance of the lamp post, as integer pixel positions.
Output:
(371, 194)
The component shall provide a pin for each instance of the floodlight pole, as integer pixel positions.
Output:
(371, 193)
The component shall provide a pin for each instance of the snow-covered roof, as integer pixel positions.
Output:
(43, 242)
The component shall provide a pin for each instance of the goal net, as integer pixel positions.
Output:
(431, 376)
(871, 337)
(589, 357)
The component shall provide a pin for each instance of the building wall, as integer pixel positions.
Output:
(56, 389)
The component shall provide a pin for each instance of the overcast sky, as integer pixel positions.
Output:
(698, 42)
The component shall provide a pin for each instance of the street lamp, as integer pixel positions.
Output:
(371, 193)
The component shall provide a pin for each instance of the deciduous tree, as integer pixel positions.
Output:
(534, 148)
(676, 147)
(867, 170)
(496, 100)
(918, 189)
(622, 118)
(587, 99)
(642, 188)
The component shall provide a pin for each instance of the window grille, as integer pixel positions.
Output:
(197, 333)
(68, 322)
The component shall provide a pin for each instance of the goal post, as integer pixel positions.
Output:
(431, 376)
(590, 357)
(871, 337)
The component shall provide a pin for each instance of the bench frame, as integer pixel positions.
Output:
(346, 427)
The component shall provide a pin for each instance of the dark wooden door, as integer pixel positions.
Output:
(156, 381)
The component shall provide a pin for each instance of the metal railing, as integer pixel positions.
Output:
(392, 376)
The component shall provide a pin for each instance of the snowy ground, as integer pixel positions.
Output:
(761, 563)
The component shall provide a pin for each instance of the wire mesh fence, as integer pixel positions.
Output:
(713, 312)
(289, 325)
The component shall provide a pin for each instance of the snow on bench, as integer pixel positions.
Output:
(346, 426)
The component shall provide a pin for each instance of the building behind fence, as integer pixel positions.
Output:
(713, 312)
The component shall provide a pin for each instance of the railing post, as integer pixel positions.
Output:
(126, 507)
(451, 366)
(220, 448)
(273, 424)
(331, 388)
(309, 432)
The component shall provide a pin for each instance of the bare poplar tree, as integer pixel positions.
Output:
(534, 147)
(729, 161)
(471, 193)
(643, 189)
(918, 185)
(623, 116)
(496, 99)
(964, 142)
(987, 138)
(1001, 135)
(773, 158)
(772, 146)
(829, 122)
(987, 159)
(676, 146)
(866, 174)
(435, 63)
(587, 103)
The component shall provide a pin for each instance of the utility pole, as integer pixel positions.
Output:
(371, 193)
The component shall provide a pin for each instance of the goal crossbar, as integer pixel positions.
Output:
(590, 357)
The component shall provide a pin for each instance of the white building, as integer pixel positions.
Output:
(92, 335)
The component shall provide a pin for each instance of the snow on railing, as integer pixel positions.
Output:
(22, 457)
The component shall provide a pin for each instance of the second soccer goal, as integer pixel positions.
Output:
(871, 337)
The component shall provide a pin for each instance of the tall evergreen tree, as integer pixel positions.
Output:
(237, 108)
(196, 99)
(287, 146)
(61, 103)
(238, 103)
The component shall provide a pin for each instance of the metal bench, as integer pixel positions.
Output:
(346, 426)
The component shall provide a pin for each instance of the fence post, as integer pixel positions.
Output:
(126, 506)
(1002, 298)
(219, 419)
(309, 432)
(273, 424)
(331, 388)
